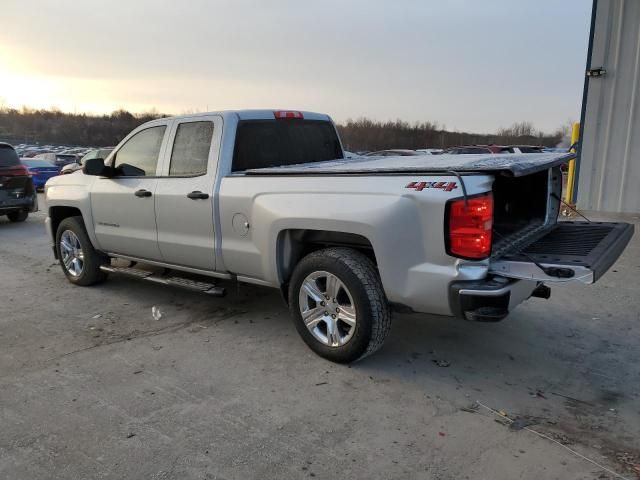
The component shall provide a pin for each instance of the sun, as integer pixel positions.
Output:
(19, 86)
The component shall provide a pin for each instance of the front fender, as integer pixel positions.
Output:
(63, 194)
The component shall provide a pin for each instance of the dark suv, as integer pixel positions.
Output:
(17, 195)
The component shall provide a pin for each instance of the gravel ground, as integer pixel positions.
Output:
(92, 386)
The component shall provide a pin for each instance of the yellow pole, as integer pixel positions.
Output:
(571, 176)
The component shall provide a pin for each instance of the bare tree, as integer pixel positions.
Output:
(54, 126)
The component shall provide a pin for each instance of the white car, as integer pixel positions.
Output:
(102, 153)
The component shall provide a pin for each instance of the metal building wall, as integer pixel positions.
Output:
(609, 165)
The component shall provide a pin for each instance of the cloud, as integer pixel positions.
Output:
(471, 65)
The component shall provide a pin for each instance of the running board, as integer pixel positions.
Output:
(203, 287)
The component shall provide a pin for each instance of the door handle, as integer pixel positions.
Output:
(198, 195)
(142, 193)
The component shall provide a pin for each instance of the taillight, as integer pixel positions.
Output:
(17, 171)
(469, 227)
(282, 114)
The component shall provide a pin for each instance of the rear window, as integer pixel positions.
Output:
(273, 143)
(8, 157)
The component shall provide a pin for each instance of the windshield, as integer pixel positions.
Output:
(8, 156)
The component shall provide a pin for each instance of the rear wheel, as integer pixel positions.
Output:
(79, 260)
(18, 215)
(338, 304)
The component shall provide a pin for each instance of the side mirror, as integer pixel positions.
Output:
(96, 166)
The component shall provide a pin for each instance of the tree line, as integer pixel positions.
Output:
(366, 134)
(56, 127)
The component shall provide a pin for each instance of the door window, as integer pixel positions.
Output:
(139, 156)
(191, 147)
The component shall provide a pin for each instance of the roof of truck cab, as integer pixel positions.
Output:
(512, 164)
(251, 114)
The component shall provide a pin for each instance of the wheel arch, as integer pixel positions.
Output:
(295, 243)
(58, 213)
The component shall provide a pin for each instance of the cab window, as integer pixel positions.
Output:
(139, 156)
(191, 146)
(272, 143)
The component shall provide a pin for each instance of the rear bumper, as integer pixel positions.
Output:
(40, 180)
(8, 205)
(20, 195)
(488, 300)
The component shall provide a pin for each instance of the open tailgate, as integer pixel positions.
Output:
(568, 251)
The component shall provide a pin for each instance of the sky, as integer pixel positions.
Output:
(470, 65)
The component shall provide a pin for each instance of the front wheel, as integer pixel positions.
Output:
(78, 259)
(338, 304)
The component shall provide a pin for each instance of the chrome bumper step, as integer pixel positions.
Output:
(187, 283)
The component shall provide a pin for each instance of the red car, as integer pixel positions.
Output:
(17, 193)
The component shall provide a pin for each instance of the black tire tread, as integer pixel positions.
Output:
(367, 273)
(92, 259)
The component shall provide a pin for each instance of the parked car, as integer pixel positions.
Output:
(269, 200)
(393, 153)
(473, 149)
(40, 171)
(522, 149)
(17, 193)
(59, 159)
(102, 153)
(429, 151)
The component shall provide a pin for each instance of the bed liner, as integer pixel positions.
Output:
(512, 164)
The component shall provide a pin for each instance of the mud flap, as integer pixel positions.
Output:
(568, 252)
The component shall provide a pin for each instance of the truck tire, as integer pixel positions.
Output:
(79, 260)
(338, 304)
(18, 215)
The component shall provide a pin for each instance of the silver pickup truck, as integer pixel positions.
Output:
(266, 197)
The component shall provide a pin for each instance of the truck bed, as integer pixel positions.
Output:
(513, 164)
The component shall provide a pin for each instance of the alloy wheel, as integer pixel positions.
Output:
(327, 309)
(71, 253)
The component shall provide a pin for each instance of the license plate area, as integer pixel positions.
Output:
(567, 251)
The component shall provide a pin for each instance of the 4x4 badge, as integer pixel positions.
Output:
(419, 186)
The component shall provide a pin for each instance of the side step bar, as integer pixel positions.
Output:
(203, 287)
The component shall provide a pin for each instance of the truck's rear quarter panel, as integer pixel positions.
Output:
(405, 227)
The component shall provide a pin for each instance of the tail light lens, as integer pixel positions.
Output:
(17, 171)
(469, 227)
